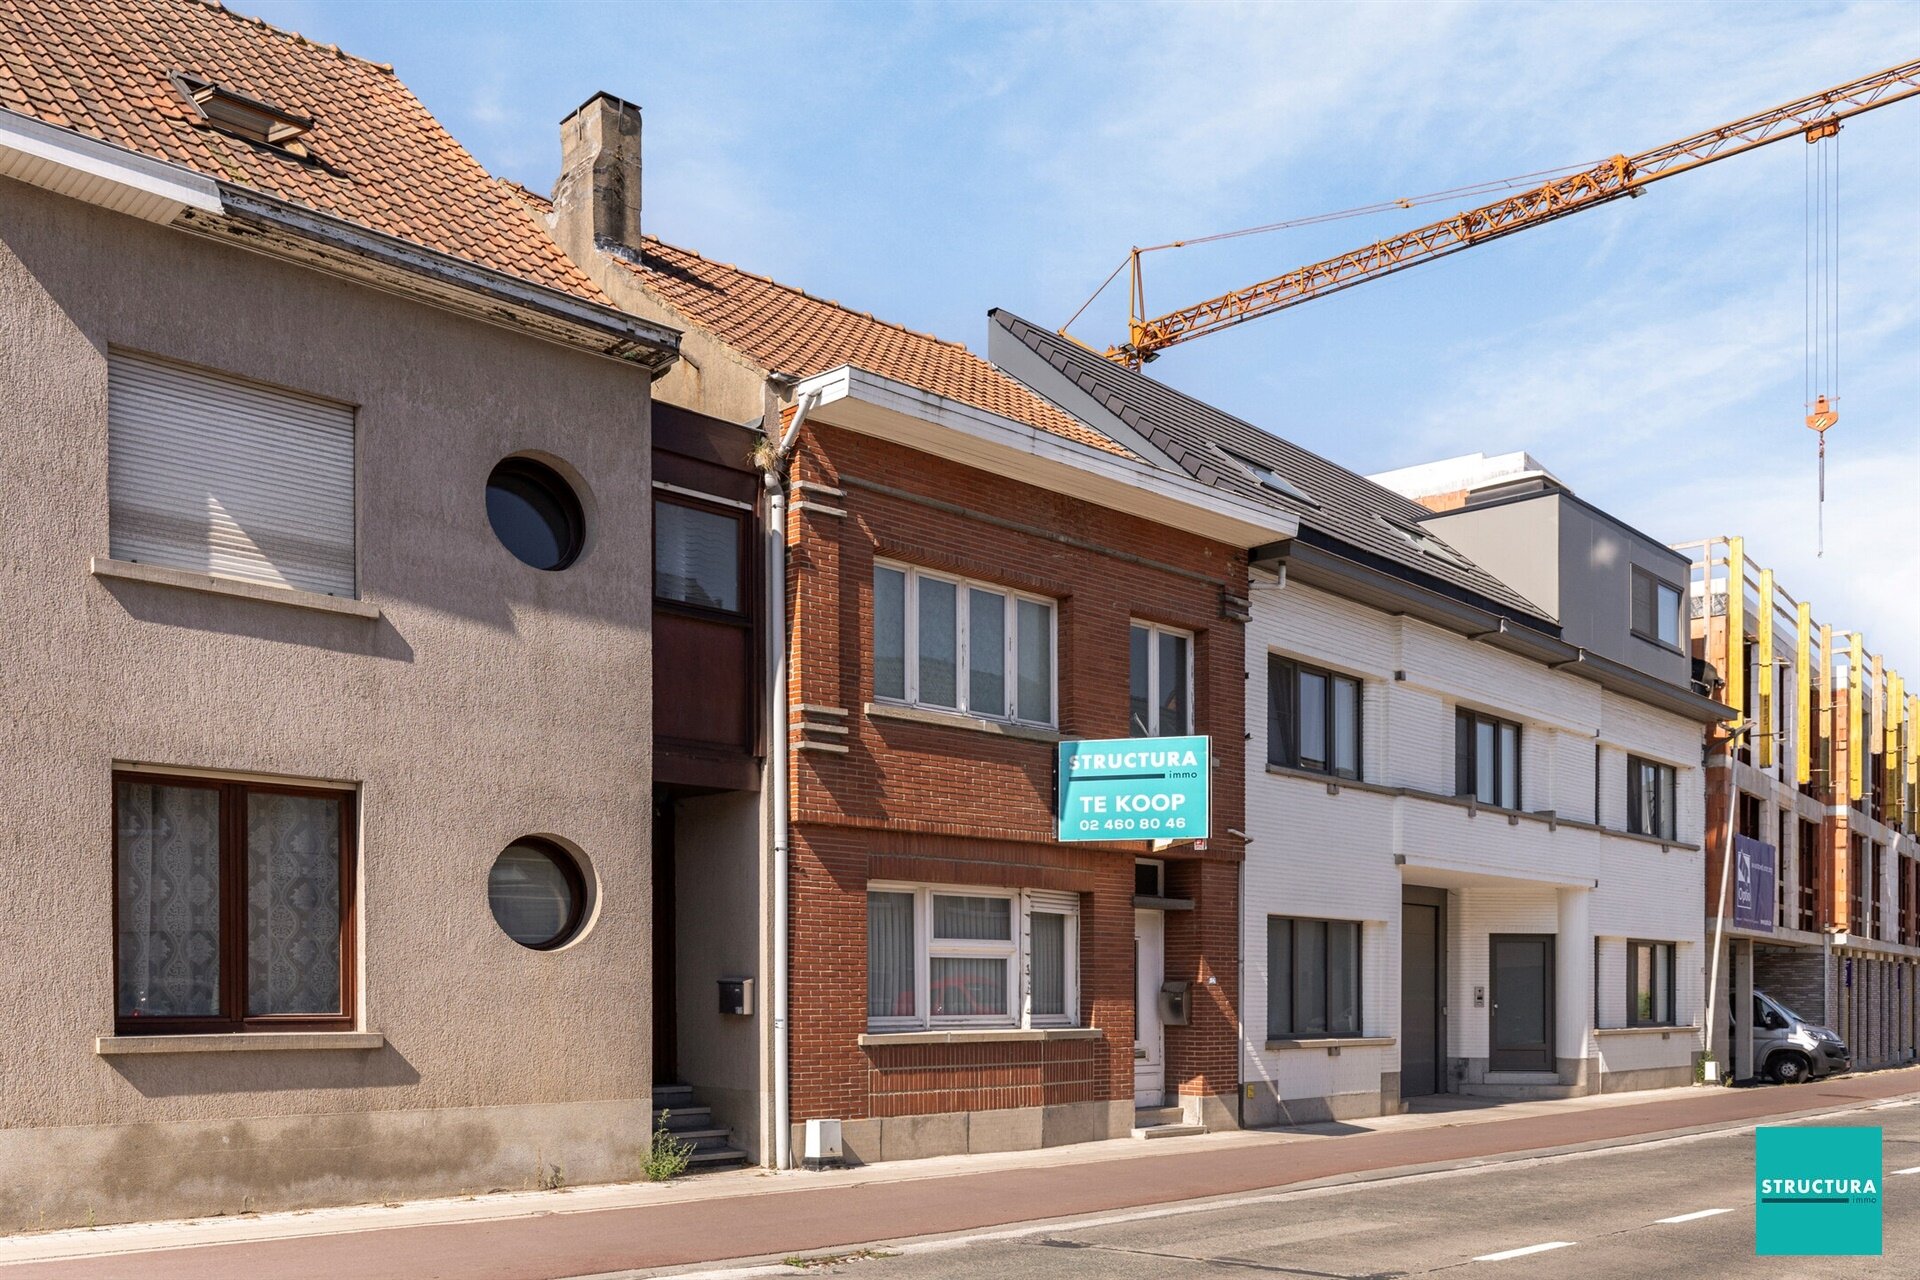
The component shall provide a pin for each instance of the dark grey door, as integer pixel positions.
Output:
(1419, 1000)
(1522, 1038)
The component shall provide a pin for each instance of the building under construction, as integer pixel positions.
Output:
(1812, 787)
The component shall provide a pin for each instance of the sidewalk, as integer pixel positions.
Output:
(753, 1214)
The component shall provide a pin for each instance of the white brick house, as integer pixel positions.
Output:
(1351, 849)
(1474, 791)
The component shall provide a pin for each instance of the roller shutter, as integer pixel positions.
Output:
(228, 477)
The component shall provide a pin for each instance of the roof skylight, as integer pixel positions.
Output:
(1425, 543)
(1268, 478)
(233, 112)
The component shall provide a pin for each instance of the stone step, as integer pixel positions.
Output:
(1143, 1117)
(1519, 1091)
(715, 1158)
(704, 1139)
(1169, 1131)
(672, 1096)
(678, 1118)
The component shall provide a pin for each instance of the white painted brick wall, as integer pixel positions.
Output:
(1334, 856)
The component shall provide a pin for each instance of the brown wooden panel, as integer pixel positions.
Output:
(703, 682)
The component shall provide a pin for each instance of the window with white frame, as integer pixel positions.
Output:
(1160, 690)
(957, 645)
(960, 957)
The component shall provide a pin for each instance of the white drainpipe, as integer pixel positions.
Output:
(780, 757)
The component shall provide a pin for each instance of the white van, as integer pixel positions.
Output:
(1788, 1049)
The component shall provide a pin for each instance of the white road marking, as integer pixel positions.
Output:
(1897, 1172)
(1691, 1217)
(1504, 1254)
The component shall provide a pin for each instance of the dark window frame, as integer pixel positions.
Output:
(1466, 757)
(1857, 885)
(1651, 633)
(1326, 978)
(232, 856)
(1664, 824)
(1808, 861)
(742, 518)
(1283, 719)
(1633, 986)
(1876, 877)
(578, 891)
(520, 470)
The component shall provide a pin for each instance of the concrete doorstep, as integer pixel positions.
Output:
(1131, 1173)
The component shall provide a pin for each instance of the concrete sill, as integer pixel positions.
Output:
(238, 1042)
(979, 1035)
(1336, 1042)
(165, 576)
(954, 720)
(1552, 821)
(1647, 1031)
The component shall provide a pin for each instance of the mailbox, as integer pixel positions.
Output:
(736, 997)
(1173, 1004)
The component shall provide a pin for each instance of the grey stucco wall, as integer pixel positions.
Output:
(719, 905)
(489, 701)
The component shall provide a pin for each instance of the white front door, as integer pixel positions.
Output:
(1149, 970)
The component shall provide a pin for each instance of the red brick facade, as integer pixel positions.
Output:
(945, 804)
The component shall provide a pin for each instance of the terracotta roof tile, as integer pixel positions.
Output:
(788, 330)
(379, 158)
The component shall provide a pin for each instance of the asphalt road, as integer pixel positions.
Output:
(1601, 1210)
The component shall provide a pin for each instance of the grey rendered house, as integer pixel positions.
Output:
(325, 758)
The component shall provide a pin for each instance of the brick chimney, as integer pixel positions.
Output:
(596, 202)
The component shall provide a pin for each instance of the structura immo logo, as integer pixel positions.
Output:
(1816, 1191)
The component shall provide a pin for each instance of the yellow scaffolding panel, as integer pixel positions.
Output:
(1856, 723)
(1763, 696)
(1803, 695)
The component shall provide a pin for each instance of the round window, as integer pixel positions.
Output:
(537, 894)
(535, 513)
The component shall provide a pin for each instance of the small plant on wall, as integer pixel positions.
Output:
(667, 1157)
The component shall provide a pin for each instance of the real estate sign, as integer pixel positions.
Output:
(1134, 789)
(1755, 880)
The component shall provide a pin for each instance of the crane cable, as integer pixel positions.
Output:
(1820, 373)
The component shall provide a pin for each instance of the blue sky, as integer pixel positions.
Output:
(928, 161)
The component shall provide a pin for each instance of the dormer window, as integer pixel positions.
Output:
(235, 113)
(1425, 543)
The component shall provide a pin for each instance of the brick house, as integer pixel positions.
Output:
(960, 979)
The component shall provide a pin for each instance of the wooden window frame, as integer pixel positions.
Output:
(742, 517)
(1326, 978)
(1633, 987)
(233, 911)
(1667, 825)
(1466, 765)
(1287, 737)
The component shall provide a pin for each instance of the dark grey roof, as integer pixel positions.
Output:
(1348, 514)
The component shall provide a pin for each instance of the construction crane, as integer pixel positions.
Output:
(1814, 117)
